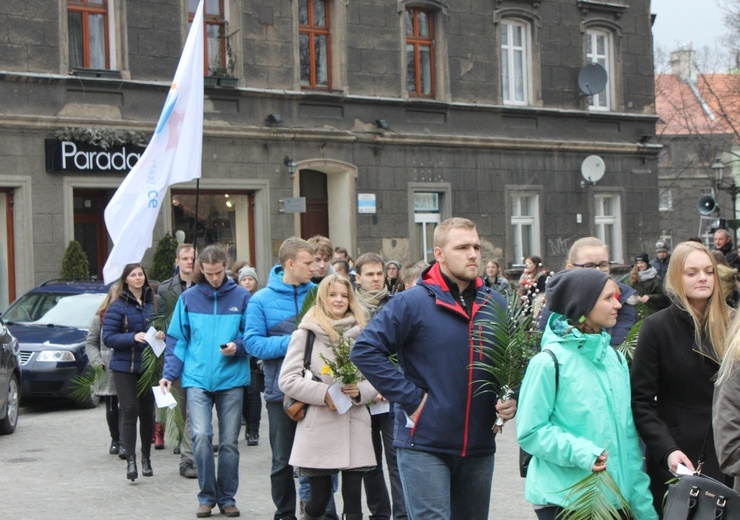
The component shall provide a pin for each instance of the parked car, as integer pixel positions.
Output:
(10, 380)
(51, 323)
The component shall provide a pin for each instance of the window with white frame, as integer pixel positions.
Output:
(608, 222)
(599, 50)
(515, 62)
(665, 200)
(525, 225)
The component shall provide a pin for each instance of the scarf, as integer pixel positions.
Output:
(647, 274)
(371, 299)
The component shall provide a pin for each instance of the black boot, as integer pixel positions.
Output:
(146, 466)
(131, 472)
(352, 516)
(114, 447)
(122, 451)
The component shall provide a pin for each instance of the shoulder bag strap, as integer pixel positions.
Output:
(557, 368)
(308, 350)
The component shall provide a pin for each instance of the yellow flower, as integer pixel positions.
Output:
(326, 370)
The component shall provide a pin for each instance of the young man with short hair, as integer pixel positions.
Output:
(207, 330)
(446, 464)
(271, 319)
(322, 257)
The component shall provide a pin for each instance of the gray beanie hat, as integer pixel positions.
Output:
(574, 292)
(248, 271)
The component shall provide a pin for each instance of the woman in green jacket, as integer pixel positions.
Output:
(577, 419)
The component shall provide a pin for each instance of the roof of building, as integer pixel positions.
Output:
(708, 105)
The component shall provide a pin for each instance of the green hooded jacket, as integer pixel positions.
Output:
(566, 429)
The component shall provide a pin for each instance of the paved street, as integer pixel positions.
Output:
(56, 465)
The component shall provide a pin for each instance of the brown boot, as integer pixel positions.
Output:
(158, 436)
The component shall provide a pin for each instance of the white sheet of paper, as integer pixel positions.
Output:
(683, 470)
(157, 345)
(343, 402)
(163, 400)
(380, 407)
(409, 422)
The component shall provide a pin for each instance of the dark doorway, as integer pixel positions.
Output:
(315, 221)
(90, 232)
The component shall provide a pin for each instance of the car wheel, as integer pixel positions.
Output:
(10, 421)
(92, 400)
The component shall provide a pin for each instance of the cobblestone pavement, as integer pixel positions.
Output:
(56, 466)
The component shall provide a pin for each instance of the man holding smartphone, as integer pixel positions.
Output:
(205, 348)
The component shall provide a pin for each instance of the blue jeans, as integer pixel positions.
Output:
(216, 490)
(445, 487)
(282, 432)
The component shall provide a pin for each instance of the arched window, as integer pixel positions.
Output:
(516, 62)
(315, 43)
(599, 49)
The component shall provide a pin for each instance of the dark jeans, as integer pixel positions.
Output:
(282, 432)
(253, 401)
(322, 490)
(375, 489)
(135, 406)
(112, 417)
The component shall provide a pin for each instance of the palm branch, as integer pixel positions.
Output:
(80, 384)
(174, 424)
(596, 497)
(308, 302)
(627, 347)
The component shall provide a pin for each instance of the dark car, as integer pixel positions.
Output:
(10, 380)
(51, 322)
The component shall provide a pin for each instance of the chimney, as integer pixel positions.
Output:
(683, 64)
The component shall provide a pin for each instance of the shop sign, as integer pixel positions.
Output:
(78, 157)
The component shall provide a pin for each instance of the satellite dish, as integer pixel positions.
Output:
(707, 205)
(592, 169)
(592, 79)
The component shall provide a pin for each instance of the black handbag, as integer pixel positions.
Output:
(698, 497)
(296, 409)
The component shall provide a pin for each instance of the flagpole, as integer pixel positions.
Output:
(195, 217)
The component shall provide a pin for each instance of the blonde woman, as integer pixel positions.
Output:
(676, 361)
(325, 441)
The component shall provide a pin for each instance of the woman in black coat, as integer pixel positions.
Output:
(124, 331)
(677, 356)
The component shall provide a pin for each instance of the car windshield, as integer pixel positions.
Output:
(62, 309)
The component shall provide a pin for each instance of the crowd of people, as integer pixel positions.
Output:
(414, 402)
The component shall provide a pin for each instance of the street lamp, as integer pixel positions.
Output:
(718, 171)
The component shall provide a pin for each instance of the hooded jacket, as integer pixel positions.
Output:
(205, 318)
(123, 320)
(567, 424)
(436, 343)
(271, 319)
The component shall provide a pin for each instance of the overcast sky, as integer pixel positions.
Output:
(682, 21)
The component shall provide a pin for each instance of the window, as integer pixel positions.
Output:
(419, 52)
(87, 23)
(315, 44)
(599, 50)
(525, 223)
(429, 203)
(608, 221)
(515, 62)
(666, 200)
(216, 37)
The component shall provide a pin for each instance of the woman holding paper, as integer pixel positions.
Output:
(327, 441)
(124, 331)
(679, 351)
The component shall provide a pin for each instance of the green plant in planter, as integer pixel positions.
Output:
(74, 263)
(228, 70)
(164, 258)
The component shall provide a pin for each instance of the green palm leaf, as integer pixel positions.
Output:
(308, 302)
(596, 497)
(627, 347)
(81, 383)
(174, 424)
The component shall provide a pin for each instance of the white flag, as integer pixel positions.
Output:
(173, 155)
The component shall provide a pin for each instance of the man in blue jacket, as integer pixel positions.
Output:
(206, 331)
(271, 319)
(444, 436)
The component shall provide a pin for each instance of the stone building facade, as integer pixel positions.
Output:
(391, 114)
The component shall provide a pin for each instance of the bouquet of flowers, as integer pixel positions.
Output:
(509, 339)
(341, 367)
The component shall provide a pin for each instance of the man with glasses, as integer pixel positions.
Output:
(592, 253)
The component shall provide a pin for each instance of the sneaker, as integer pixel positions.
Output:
(203, 511)
(253, 439)
(188, 471)
(230, 511)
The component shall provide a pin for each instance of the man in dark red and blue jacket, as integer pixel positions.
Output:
(444, 428)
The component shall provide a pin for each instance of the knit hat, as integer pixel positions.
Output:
(661, 246)
(248, 271)
(642, 257)
(389, 262)
(574, 292)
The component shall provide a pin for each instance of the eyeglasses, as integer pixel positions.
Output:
(602, 266)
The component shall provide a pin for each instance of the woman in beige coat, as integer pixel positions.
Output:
(325, 441)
